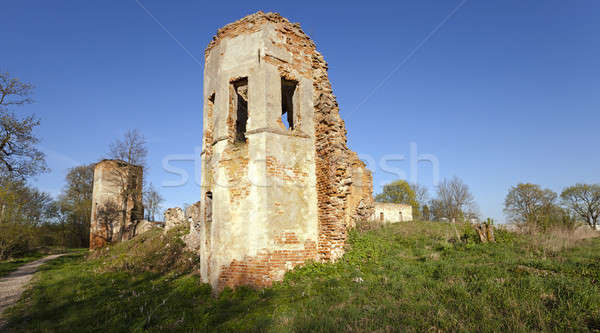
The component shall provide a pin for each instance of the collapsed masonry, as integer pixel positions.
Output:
(174, 217)
(116, 202)
(280, 185)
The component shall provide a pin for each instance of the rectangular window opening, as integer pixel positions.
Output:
(288, 88)
(208, 207)
(240, 105)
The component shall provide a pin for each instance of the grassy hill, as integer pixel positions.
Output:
(404, 277)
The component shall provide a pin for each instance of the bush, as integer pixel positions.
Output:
(15, 240)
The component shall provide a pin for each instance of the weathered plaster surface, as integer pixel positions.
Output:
(283, 196)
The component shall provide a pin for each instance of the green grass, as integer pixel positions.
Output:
(8, 266)
(403, 277)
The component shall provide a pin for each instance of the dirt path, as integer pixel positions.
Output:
(12, 286)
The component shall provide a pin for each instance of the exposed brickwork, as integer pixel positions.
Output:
(263, 269)
(360, 203)
(98, 238)
(235, 160)
(291, 175)
(334, 167)
(287, 238)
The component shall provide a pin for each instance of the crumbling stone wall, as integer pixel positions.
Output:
(359, 203)
(273, 196)
(193, 216)
(145, 226)
(174, 217)
(116, 202)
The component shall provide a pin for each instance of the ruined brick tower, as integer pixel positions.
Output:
(279, 185)
(116, 202)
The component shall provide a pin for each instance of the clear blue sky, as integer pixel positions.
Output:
(504, 92)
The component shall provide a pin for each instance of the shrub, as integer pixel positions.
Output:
(15, 240)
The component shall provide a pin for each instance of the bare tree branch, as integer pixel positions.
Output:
(19, 155)
(131, 149)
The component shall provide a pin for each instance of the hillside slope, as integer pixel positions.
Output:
(410, 276)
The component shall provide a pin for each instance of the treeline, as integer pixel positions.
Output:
(534, 208)
(29, 218)
(453, 200)
(528, 206)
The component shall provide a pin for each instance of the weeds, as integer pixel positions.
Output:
(402, 277)
(559, 239)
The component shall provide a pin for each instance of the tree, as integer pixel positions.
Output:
(22, 204)
(421, 193)
(23, 212)
(453, 198)
(421, 196)
(131, 149)
(529, 204)
(19, 155)
(75, 205)
(152, 202)
(398, 192)
(583, 200)
(471, 212)
(436, 210)
(426, 213)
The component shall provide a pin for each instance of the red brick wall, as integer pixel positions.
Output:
(263, 269)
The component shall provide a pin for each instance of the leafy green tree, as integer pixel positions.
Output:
(530, 204)
(75, 204)
(583, 200)
(399, 191)
(23, 212)
(19, 156)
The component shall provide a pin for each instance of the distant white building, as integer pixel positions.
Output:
(392, 212)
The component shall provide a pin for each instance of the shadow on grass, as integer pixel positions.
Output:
(9, 266)
(72, 295)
